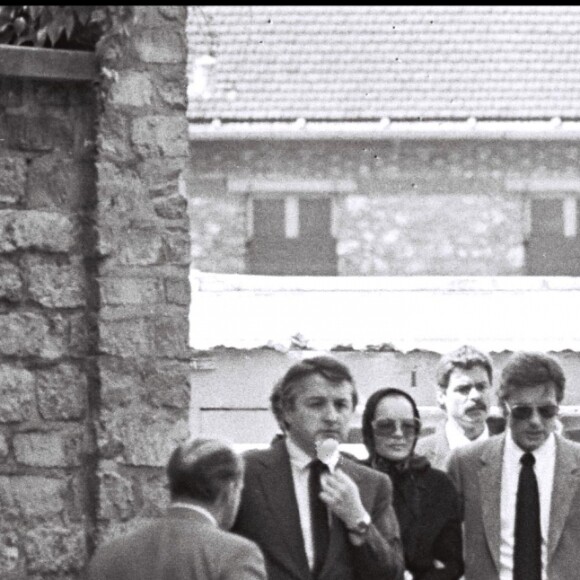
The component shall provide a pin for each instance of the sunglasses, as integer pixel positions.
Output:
(388, 427)
(524, 412)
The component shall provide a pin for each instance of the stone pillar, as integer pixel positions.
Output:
(143, 241)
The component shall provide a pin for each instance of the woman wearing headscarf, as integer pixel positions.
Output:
(425, 500)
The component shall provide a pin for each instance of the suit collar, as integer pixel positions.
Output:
(490, 492)
(566, 481)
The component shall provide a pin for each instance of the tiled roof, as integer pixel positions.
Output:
(401, 62)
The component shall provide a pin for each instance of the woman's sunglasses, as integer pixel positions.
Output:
(388, 427)
(524, 412)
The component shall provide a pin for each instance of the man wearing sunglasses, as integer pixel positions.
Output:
(520, 491)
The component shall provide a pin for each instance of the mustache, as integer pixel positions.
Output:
(479, 405)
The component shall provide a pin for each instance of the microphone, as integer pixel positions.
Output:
(327, 451)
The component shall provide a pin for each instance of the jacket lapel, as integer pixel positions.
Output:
(566, 479)
(278, 490)
(490, 493)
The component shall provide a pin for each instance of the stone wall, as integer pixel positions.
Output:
(413, 207)
(94, 295)
(47, 337)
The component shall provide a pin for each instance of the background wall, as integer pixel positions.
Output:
(413, 208)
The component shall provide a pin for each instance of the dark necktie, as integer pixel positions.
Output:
(528, 534)
(318, 515)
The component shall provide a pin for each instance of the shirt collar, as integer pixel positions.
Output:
(195, 508)
(301, 460)
(456, 437)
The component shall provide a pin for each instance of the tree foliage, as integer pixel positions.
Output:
(67, 27)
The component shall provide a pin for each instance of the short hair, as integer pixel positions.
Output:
(465, 357)
(372, 403)
(202, 468)
(530, 369)
(284, 392)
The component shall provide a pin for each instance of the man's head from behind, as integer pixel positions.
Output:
(464, 378)
(315, 400)
(207, 472)
(531, 389)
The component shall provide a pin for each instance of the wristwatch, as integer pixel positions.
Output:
(361, 527)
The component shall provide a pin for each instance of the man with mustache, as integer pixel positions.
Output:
(348, 529)
(520, 491)
(464, 378)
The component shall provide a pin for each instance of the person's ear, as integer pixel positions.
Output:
(441, 394)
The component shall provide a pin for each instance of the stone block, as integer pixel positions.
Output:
(31, 334)
(168, 385)
(54, 284)
(126, 338)
(178, 245)
(154, 494)
(141, 248)
(35, 230)
(178, 291)
(172, 335)
(10, 282)
(164, 136)
(173, 49)
(52, 549)
(133, 89)
(116, 500)
(16, 394)
(60, 184)
(50, 449)
(38, 133)
(33, 498)
(147, 436)
(113, 139)
(130, 291)
(12, 564)
(12, 179)
(171, 208)
(79, 338)
(121, 381)
(61, 393)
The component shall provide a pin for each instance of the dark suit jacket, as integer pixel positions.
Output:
(183, 545)
(476, 471)
(269, 516)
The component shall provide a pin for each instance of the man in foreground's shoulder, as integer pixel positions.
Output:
(520, 491)
(314, 512)
(464, 379)
(191, 541)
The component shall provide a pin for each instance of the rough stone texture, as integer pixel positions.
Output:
(12, 179)
(30, 334)
(35, 230)
(154, 495)
(61, 393)
(33, 498)
(55, 549)
(56, 285)
(10, 282)
(412, 207)
(16, 394)
(52, 449)
(116, 499)
(94, 256)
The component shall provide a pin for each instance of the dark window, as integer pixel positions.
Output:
(549, 251)
(311, 253)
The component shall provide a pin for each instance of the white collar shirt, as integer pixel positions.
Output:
(544, 466)
(456, 437)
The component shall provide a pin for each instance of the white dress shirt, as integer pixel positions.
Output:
(300, 466)
(456, 437)
(545, 457)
